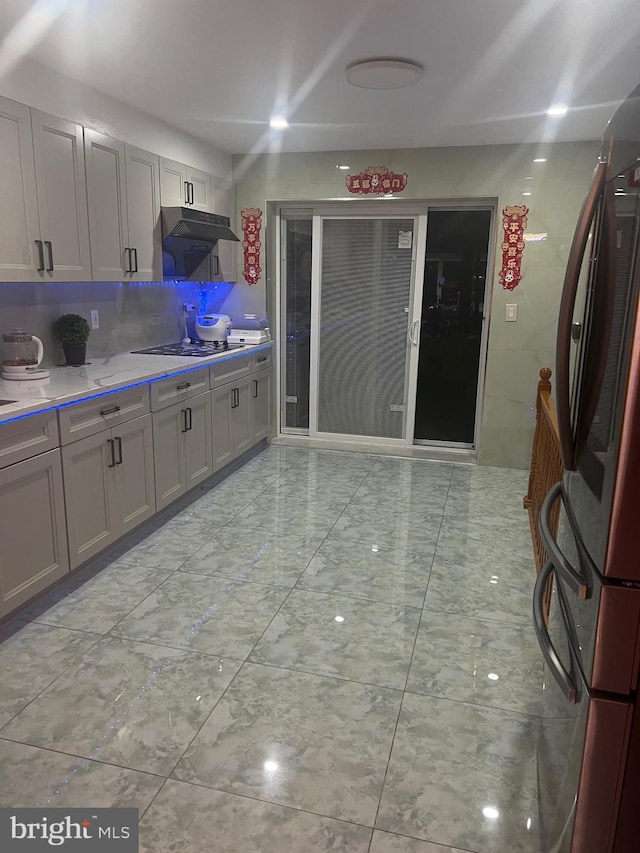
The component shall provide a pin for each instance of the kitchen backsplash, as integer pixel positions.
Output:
(132, 314)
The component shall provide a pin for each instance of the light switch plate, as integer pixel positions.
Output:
(511, 313)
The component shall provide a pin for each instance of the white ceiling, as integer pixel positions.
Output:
(219, 68)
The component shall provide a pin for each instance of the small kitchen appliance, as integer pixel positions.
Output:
(21, 354)
(212, 327)
(250, 330)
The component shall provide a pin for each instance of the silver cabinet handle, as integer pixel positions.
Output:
(112, 445)
(127, 260)
(50, 250)
(40, 255)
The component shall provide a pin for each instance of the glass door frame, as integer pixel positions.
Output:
(384, 208)
(370, 211)
(416, 318)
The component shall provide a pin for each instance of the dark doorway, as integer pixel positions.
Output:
(451, 328)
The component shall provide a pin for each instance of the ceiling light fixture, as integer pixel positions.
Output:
(278, 123)
(526, 193)
(384, 73)
(540, 160)
(341, 166)
(558, 110)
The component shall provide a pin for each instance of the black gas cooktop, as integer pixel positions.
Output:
(199, 349)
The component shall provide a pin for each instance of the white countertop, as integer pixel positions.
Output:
(111, 373)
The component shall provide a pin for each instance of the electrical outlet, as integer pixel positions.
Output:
(95, 319)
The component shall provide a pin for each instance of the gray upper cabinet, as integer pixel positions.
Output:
(62, 198)
(124, 208)
(106, 186)
(143, 213)
(19, 209)
(200, 197)
(43, 217)
(227, 249)
(184, 186)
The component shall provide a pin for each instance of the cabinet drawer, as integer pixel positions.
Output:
(175, 389)
(80, 420)
(260, 360)
(230, 370)
(28, 437)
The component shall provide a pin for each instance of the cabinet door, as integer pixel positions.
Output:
(134, 499)
(169, 454)
(243, 432)
(19, 209)
(227, 249)
(143, 212)
(221, 417)
(33, 539)
(173, 178)
(261, 400)
(200, 189)
(107, 206)
(198, 447)
(62, 197)
(87, 493)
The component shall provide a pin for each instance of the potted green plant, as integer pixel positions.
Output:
(72, 330)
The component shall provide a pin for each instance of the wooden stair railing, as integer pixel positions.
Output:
(546, 469)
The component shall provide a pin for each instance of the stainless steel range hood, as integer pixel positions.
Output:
(184, 223)
(189, 243)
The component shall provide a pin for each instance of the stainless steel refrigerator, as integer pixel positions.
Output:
(589, 745)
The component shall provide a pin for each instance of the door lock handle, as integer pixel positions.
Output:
(413, 338)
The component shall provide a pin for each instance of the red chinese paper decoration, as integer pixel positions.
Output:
(251, 225)
(514, 222)
(378, 180)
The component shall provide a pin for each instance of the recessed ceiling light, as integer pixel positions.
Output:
(526, 193)
(540, 160)
(558, 110)
(384, 73)
(341, 166)
(278, 123)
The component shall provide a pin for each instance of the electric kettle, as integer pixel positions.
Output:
(20, 356)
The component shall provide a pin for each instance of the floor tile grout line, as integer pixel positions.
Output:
(255, 799)
(55, 678)
(230, 683)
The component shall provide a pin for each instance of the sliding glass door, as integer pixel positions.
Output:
(382, 322)
(365, 291)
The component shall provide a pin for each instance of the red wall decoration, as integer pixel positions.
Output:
(251, 225)
(514, 222)
(376, 179)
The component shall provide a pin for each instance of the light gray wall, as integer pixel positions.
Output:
(47, 90)
(518, 350)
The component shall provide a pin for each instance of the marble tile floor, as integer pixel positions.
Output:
(324, 652)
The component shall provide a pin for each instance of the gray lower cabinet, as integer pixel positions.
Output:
(232, 413)
(33, 539)
(108, 485)
(261, 401)
(182, 447)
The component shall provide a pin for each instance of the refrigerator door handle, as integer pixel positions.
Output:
(572, 576)
(567, 305)
(557, 668)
